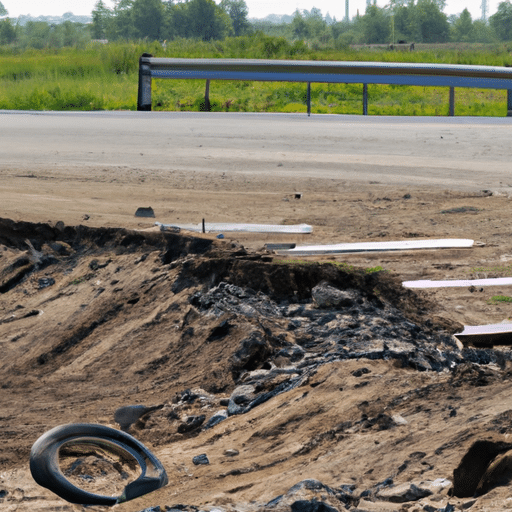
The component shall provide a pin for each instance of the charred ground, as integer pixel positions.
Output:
(93, 319)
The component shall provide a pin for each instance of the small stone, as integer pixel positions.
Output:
(312, 496)
(310, 484)
(145, 212)
(437, 485)
(59, 226)
(61, 248)
(44, 282)
(240, 399)
(360, 372)
(231, 452)
(191, 423)
(326, 296)
(399, 420)
(403, 492)
(200, 459)
(188, 396)
(128, 415)
(311, 506)
(216, 418)
(251, 353)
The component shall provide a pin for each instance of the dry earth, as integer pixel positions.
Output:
(100, 315)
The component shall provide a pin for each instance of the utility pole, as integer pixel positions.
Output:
(393, 7)
(484, 10)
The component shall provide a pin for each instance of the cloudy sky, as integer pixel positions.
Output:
(257, 8)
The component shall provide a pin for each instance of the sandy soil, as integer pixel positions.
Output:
(54, 372)
(339, 211)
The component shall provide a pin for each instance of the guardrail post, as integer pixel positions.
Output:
(144, 95)
(308, 98)
(445, 75)
(207, 96)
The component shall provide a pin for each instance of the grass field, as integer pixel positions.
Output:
(104, 77)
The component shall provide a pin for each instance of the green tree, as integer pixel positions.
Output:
(300, 28)
(208, 21)
(72, 34)
(501, 21)
(402, 22)
(176, 21)
(374, 25)
(101, 17)
(339, 27)
(36, 34)
(429, 23)
(463, 27)
(122, 23)
(7, 32)
(315, 22)
(237, 10)
(3, 10)
(147, 18)
(483, 33)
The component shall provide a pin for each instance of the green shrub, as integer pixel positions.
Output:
(105, 77)
(499, 299)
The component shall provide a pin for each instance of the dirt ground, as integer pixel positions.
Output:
(110, 331)
(339, 211)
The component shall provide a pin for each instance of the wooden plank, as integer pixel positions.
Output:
(402, 245)
(486, 335)
(460, 283)
(226, 227)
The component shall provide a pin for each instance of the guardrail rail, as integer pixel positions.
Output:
(445, 75)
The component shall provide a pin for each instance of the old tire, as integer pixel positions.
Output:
(45, 469)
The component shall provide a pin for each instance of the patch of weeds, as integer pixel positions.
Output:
(461, 209)
(496, 299)
(372, 270)
(350, 268)
(82, 279)
(294, 262)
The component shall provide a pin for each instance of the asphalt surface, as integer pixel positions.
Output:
(461, 153)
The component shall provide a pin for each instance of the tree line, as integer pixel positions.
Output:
(165, 20)
(421, 21)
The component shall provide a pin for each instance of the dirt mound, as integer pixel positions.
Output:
(292, 366)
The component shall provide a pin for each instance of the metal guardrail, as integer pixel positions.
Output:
(445, 75)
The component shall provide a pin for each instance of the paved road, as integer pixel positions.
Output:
(463, 153)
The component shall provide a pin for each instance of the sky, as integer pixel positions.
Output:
(257, 8)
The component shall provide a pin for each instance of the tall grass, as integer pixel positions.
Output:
(104, 77)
